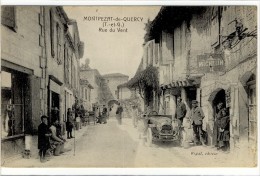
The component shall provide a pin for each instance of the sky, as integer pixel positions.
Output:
(112, 52)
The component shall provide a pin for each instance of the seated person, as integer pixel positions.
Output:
(56, 142)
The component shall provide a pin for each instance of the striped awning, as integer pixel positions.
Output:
(180, 83)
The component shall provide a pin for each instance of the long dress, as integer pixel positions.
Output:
(216, 126)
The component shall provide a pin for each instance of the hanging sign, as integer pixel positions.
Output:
(210, 63)
(228, 97)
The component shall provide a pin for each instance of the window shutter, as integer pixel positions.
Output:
(52, 28)
(8, 16)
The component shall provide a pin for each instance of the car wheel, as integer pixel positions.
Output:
(149, 138)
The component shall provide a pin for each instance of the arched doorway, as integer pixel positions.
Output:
(248, 80)
(112, 106)
(216, 97)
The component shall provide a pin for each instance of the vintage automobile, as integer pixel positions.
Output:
(160, 128)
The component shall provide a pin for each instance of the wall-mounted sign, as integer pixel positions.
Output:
(228, 97)
(210, 63)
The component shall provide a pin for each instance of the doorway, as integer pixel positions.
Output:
(191, 93)
(252, 118)
(55, 103)
(219, 97)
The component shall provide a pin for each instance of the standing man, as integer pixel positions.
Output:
(43, 138)
(180, 111)
(197, 117)
(119, 112)
(76, 108)
(69, 124)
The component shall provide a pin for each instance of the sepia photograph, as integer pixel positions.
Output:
(149, 86)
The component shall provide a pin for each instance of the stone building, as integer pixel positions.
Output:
(86, 93)
(208, 54)
(35, 40)
(113, 80)
(21, 51)
(101, 94)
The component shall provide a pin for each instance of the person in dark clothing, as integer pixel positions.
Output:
(119, 112)
(180, 111)
(224, 134)
(217, 121)
(69, 123)
(104, 115)
(43, 138)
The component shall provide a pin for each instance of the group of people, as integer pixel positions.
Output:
(50, 138)
(101, 115)
(190, 124)
(195, 120)
(221, 133)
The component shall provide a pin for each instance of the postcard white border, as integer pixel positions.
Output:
(135, 171)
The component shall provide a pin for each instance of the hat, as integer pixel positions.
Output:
(194, 101)
(56, 109)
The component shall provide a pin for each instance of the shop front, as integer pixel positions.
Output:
(16, 108)
(55, 108)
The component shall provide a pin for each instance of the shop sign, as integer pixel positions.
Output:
(210, 63)
(228, 97)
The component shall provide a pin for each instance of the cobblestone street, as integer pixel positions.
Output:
(111, 145)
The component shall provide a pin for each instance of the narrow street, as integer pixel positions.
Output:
(110, 145)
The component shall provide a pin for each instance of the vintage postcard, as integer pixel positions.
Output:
(149, 86)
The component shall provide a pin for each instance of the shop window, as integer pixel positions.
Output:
(86, 94)
(58, 40)
(52, 27)
(12, 103)
(8, 17)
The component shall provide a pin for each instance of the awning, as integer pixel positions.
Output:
(180, 83)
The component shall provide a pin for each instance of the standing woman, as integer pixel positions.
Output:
(119, 112)
(69, 123)
(224, 132)
(217, 121)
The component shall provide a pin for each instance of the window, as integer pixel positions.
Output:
(89, 94)
(12, 103)
(86, 93)
(52, 33)
(58, 40)
(8, 16)
(215, 26)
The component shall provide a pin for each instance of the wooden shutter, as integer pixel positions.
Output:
(36, 101)
(8, 16)
(52, 28)
(215, 28)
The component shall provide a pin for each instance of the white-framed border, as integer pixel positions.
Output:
(136, 171)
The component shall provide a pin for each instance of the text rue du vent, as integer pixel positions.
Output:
(112, 29)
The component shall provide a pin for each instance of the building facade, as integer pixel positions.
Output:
(35, 41)
(100, 94)
(21, 75)
(113, 80)
(208, 54)
(85, 94)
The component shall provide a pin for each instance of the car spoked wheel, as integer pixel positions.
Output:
(149, 139)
